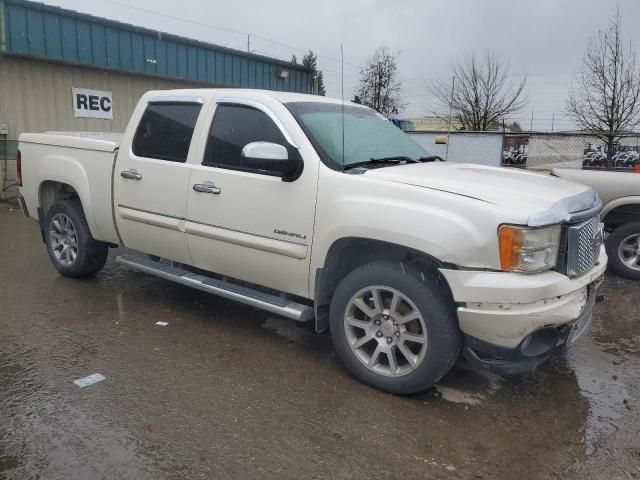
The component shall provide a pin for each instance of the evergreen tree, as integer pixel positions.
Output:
(316, 79)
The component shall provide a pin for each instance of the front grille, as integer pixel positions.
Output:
(583, 246)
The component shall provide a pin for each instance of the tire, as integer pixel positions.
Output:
(620, 248)
(418, 294)
(71, 248)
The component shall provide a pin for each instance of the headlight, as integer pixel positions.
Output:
(528, 249)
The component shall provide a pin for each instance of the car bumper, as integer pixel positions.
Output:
(513, 322)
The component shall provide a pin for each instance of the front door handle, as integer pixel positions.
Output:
(205, 188)
(131, 174)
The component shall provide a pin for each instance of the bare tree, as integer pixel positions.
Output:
(605, 97)
(379, 85)
(479, 93)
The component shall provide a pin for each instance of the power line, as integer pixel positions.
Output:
(225, 29)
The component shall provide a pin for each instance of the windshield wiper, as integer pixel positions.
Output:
(431, 158)
(397, 159)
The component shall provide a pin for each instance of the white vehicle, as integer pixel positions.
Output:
(309, 210)
(620, 194)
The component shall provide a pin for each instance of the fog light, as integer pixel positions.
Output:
(540, 342)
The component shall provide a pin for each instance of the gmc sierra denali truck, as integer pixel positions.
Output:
(313, 209)
(619, 192)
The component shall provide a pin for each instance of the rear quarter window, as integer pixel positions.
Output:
(165, 131)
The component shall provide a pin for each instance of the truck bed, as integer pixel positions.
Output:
(82, 160)
(101, 141)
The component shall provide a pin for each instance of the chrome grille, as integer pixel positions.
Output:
(583, 246)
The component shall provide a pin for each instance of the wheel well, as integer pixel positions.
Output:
(621, 215)
(52, 192)
(347, 254)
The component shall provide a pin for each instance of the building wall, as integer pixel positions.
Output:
(35, 96)
(433, 124)
(46, 32)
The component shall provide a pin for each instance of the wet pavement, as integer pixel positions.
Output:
(226, 391)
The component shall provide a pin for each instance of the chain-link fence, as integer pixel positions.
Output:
(537, 151)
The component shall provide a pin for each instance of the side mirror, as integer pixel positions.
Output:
(272, 158)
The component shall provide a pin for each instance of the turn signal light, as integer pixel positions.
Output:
(510, 247)
(524, 249)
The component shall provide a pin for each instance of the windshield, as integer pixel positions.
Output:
(367, 135)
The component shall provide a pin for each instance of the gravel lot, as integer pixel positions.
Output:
(226, 391)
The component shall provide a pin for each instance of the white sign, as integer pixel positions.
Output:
(92, 103)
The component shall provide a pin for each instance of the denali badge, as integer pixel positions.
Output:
(290, 234)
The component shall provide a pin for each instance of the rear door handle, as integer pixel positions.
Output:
(131, 174)
(205, 188)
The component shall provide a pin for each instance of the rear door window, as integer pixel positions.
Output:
(165, 131)
(233, 127)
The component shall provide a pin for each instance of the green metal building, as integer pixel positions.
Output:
(46, 52)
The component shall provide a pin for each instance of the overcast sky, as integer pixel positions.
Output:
(544, 39)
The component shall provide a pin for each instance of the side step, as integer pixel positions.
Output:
(248, 296)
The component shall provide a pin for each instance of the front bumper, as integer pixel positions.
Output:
(513, 322)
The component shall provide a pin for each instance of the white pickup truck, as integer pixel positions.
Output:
(311, 209)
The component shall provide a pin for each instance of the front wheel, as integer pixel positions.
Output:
(623, 249)
(72, 250)
(394, 328)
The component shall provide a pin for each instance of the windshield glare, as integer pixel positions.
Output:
(367, 134)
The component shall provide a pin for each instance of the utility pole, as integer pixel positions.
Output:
(531, 126)
(453, 86)
(248, 43)
(553, 120)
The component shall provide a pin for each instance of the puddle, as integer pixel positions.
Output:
(8, 463)
(236, 393)
(293, 332)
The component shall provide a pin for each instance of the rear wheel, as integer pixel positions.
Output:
(623, 249)
(71, 248)
(394, 328)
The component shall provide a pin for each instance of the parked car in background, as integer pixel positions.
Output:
(620, 194)
(309, 208)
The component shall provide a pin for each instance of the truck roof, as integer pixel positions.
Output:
(283, 97)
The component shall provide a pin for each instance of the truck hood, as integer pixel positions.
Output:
(542, 198)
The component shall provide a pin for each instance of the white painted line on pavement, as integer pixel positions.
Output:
(162, 324)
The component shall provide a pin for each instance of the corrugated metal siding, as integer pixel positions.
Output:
(38, 30)
(36, 96)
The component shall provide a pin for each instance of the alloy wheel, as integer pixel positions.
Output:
(63, 239)
(629, 251)
(385, 330)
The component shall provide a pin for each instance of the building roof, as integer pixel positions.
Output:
(39, 31)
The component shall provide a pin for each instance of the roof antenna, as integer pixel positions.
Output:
(342, 86)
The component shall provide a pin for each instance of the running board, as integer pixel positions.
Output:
(231, 291)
